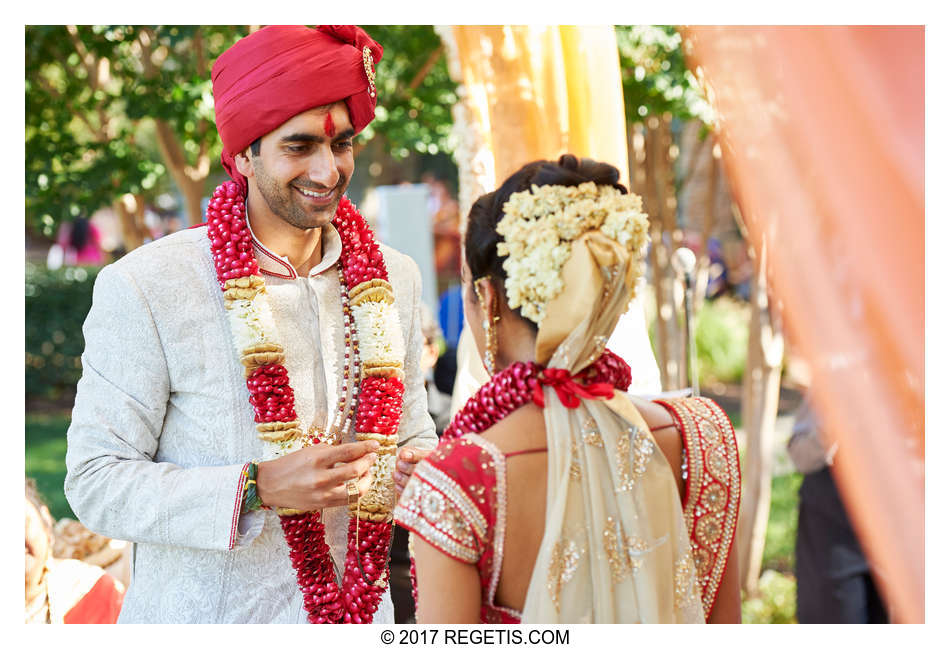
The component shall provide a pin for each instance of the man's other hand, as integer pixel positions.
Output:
(405, 464)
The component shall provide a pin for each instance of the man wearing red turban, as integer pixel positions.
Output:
(244, 380)
(282, 71)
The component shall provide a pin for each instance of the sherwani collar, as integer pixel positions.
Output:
(330, 323)
(270, 263)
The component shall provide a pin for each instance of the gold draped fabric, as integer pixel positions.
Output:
(822, 132)
(537, 92)
(615, 546)
(596, 262)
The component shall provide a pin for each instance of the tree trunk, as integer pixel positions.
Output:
(190, 180)
(643, 182)
(193, 192)
(131, 212)
(658, 258)
(672, 237)
(651, 177)
(661, 206)
(709, 220)
(760, 392)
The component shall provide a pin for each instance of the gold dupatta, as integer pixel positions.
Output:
(615, 547)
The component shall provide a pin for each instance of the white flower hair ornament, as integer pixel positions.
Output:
(539, 225)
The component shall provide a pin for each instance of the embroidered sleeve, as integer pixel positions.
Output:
(440, 510)
(711, 507)
(113, 482)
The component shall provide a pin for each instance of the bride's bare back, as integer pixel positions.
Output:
(527, 474)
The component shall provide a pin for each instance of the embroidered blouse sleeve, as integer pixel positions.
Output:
(112, 481)
(711, 506)
(447, 501)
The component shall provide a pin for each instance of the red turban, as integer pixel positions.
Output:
(280, 71)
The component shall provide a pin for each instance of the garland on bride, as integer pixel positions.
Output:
(370, 400)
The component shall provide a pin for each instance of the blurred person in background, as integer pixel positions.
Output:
(77, 244)
(432, 350)
(447, 250)
(63, 590)
(451, 322)
(447, 242)
(835, 579)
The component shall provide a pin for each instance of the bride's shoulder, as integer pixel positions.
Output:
(653, 413)
(664, 428)
(523, 429)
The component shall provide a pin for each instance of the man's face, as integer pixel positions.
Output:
(304, 166)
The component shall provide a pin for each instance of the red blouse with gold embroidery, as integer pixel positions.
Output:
(711, 504)
(456, 501)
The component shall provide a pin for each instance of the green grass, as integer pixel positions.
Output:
(46, 459)
(775, 601)
(722, 340)
(783, 522)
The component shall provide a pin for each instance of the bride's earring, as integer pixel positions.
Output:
(491, 345)
(491, 342)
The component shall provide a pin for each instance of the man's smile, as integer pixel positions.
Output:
(317, 197)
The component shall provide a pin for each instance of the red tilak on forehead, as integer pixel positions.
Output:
(329, 128)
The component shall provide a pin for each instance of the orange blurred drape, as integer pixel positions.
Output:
(822, 132)
(538, 92)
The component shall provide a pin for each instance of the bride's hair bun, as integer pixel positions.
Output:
(571, 171)
(481, 237)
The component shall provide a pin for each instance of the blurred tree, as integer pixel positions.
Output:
(168, 81)
(761, 386)
(661, 92)
(416, 94)
(110, 111)
(113, 112)
(81, 150)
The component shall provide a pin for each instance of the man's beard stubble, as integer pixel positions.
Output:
(284, 202)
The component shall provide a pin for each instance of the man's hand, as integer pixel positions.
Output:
(315, 477)
(405, 464)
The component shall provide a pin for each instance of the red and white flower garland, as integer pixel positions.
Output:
(375, 351)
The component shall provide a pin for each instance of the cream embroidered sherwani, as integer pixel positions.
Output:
(162, 425)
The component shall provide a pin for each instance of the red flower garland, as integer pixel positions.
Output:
(517, 384)
(379, 408)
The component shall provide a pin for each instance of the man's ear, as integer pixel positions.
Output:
(243, 162)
